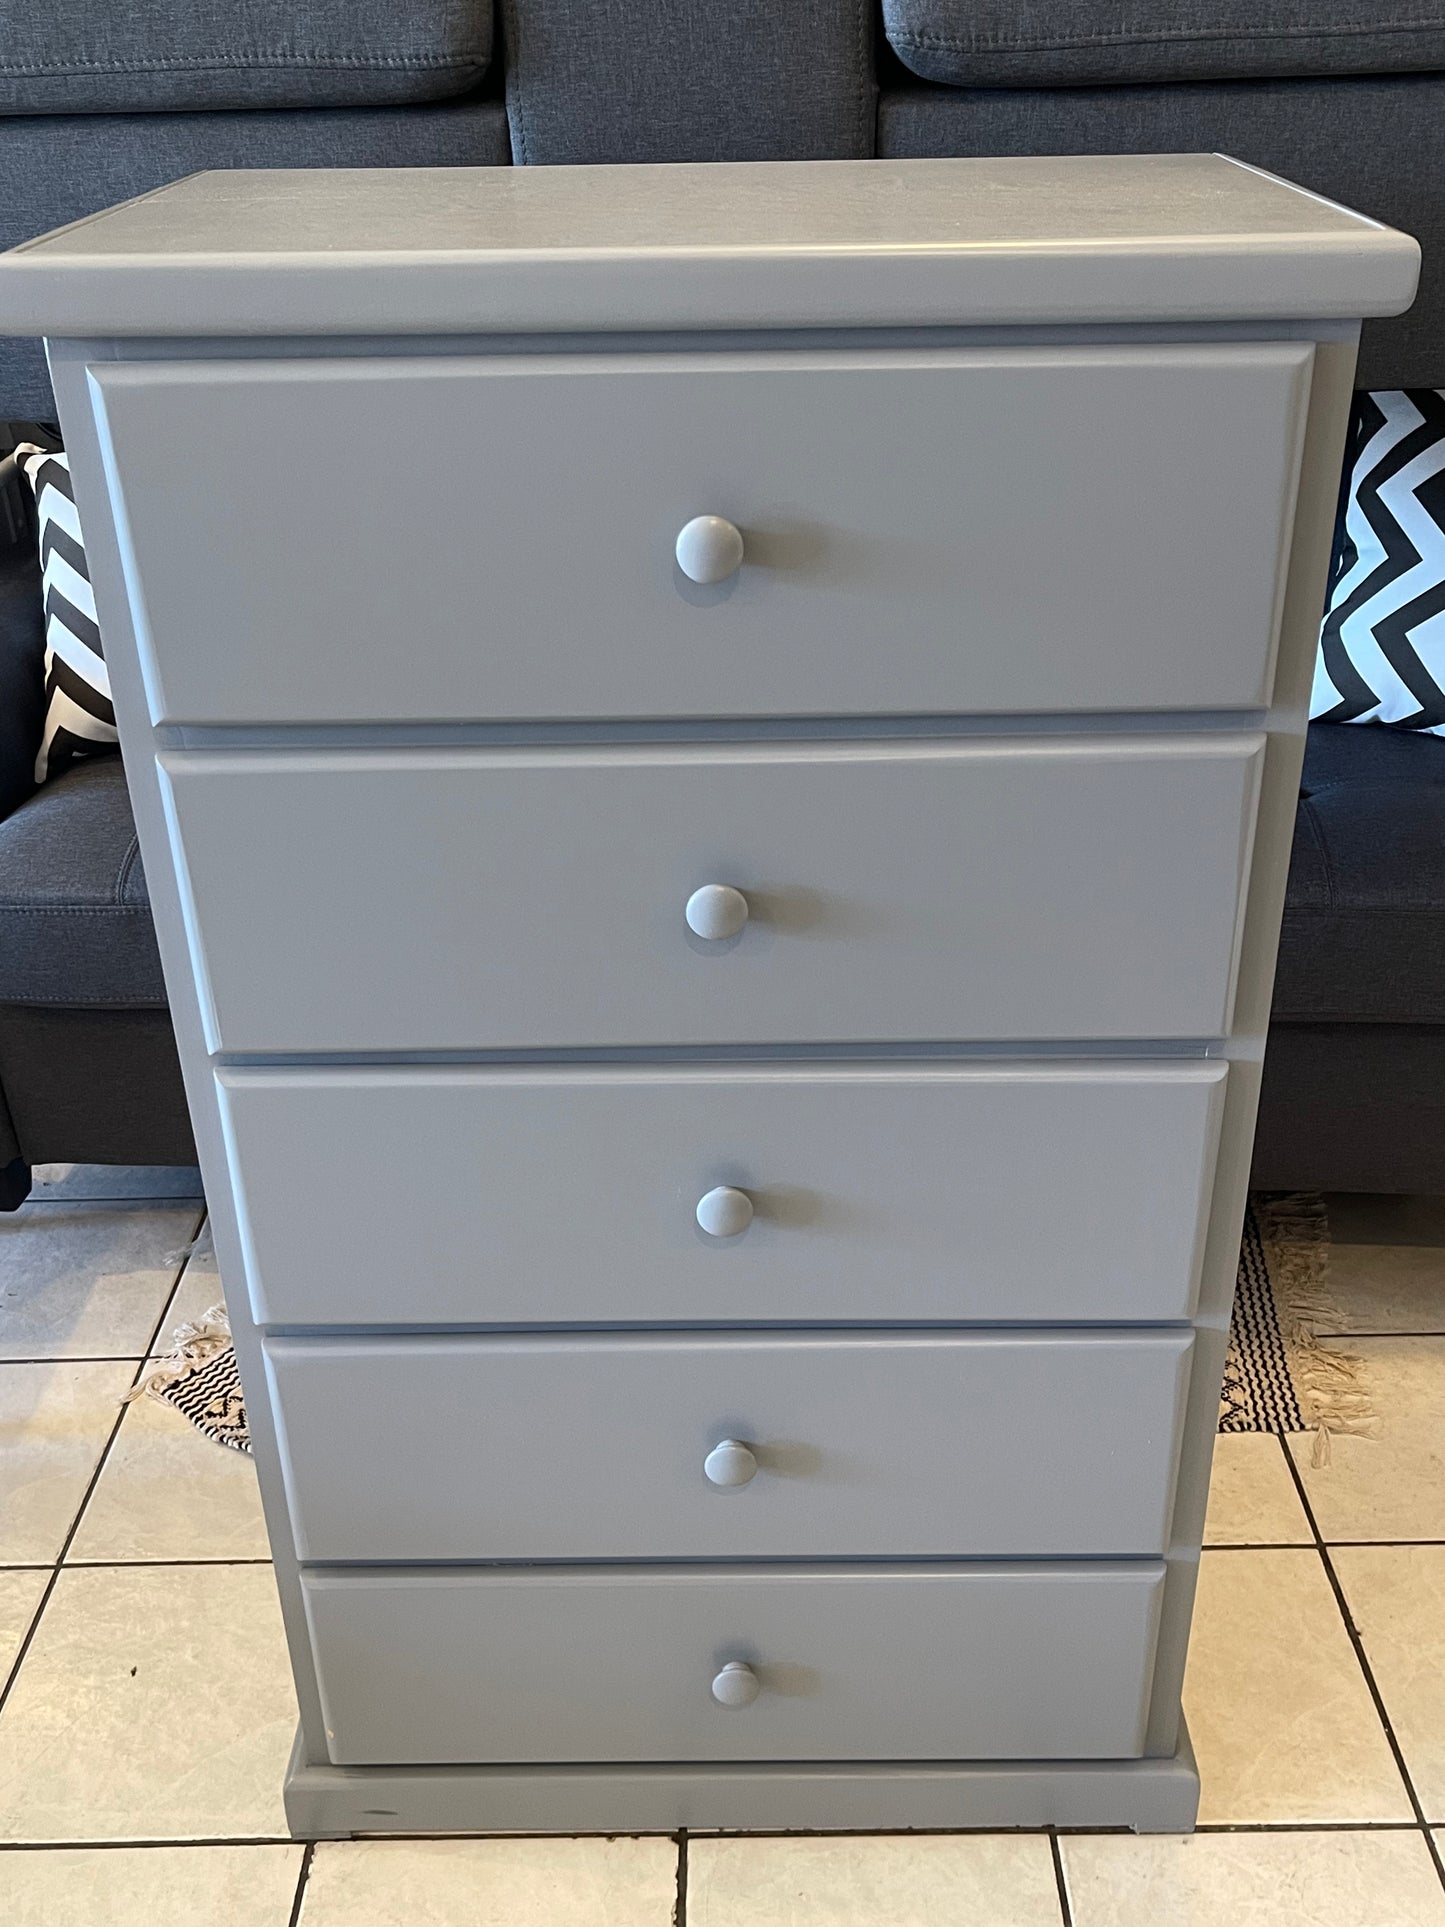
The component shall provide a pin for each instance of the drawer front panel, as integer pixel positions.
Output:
(1004, 529)
(410, 1450)
(1024, 1662)
(890, 1193)
(491, 898)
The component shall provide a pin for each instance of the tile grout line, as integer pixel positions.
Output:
(126, 1843)
(751, 1833)
(80, 1358)
(308, 1854)
(1432, 1846)
(1348, 1338)
(1066, 1912)
(146, 1565)
(1304, 1826)
(148, 1846)
(679, 1905)
(1363, 1545)
(1308, 1545)
(14, 1673)
(1262, 1545)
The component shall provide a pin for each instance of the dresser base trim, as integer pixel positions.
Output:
(1149, 1796)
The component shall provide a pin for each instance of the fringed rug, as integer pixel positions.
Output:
(1277, 1377)
(201, 1380)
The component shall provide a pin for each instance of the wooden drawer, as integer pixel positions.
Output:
(424, 1195)
(937, 1662)
(471, 899)
(1001, 529)
(414, 1449)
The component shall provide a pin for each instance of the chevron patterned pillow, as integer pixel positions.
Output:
(79, 719)
(1382, 647)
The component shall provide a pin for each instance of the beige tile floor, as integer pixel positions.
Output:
(146, 1708)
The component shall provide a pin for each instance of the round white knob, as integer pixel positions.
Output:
(729, 1463)
(709, 549)
(716, 911)
(736, 1685)
(725, 1212)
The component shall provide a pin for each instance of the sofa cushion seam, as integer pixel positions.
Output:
(123, 874)
(1307, 812)
(1338, 909)
(508, 16)
(74, 910)
(285, 59)
(73, 1002)
(954, 43)
(867, 87)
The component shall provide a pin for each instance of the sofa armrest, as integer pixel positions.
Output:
(677, 80)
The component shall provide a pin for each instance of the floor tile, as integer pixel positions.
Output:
(151, 1886)
(167, 1492)
(492, 1883)
(1385, 1288)
(19, 1596)
(1391, 1486)
(117, 1181)
(155, 1703)
(900, 1880)
(1253, 1880)
(1279, 1711)
(88, 1280)
(1396, 1596)
(1252, 1498)
(54, 1421)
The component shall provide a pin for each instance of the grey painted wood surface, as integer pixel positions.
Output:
(840, 243)
(483, 899)
(888, 1193)
(1158, 1795)
(1004, 530)
(1022, 1662)
(1330, 404)
(558, 1447)
(1240, 254)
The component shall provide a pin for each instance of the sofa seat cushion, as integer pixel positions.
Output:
(1071, 43)
(97, 58)
(1364, 924)
(75, 917)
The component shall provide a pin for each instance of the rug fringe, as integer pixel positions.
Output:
(192, 1344)
(1294, 1228)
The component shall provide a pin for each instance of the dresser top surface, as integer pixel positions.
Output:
(823, 243)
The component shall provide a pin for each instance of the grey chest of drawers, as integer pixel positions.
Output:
(715, 751)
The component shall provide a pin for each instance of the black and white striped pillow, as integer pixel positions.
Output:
(79, 718)
(1382, 647)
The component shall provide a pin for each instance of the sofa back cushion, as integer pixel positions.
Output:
(1072, 43)
(94, 57)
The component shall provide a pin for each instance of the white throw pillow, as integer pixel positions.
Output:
(79, 718)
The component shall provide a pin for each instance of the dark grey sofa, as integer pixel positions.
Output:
(91, 115)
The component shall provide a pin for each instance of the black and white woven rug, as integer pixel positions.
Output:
(1259, 1392)
(201, 1380)
(1277, 1378)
